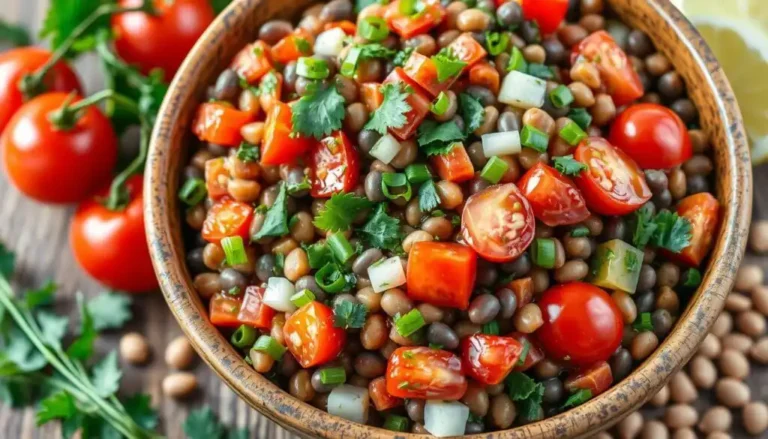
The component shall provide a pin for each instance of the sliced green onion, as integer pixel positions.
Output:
(417, 173)
(396, 423)
(543, 252)
(303, 297)
(244, 336)
(580, 232)
(496, 42)
(373, 29)
(349, 66)
(318, 254)
(396, 180)
(524, 353)
(577, 398)
(540, 71)
(234, 250)
(561, 96)
(572, 133)
(643, 322)
(270, 346)
(517, 61)
(340, 247)
(193, 192)
(312, 68)
(330, 278)
(533, 138)
(441, 104)
(410, 323)
(491, 328)
(333, 375)
(581, 116)
(494, 169)
(408, 7)
(692, 278)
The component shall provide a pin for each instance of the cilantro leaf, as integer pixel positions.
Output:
(248, 152)
(577, 398)
(340, 211)
(402, 57)
(276, 219)
(294, 188)
(391, 113)
(139, 409)
(567, 165)
(375, 50)
(381, 230)
(59, 405)
(428, 198)
(7, 261)
(472, 112)
(348, 315)
(40, 296)
(673, 232)
(106, 375)
(110, 310)
(320, 113)
(529, 408)
(447, 64)
(520, 386)
(82, 347)
(54, 327)
(438, 138)
(202, 424)
(644, 227)
(15, 34)
(64, 16)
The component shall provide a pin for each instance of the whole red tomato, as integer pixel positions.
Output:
(111, 245)
(16, 63)
(58, 164)
(160, 41)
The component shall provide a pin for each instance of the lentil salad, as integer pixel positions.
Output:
(448, 217)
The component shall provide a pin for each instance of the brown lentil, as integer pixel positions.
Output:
(732, 392)
(503, 412)
(722, 325)
(751, 323)
(681, 389)
(528, 319)
(759, 351)
(716, 418)
(703, 372)
(654, 430)
(661, 398)
(737, 342)
(755, 417)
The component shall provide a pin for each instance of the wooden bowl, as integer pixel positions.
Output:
(673, 35)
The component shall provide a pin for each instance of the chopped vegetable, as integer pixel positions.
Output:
(616, 265)
(566, 165)
(386, 274)
(333, 376)
(523, 91)
(381, 230)
(443, 419)
(347, 314)
(320, 113)
(278, 294)
(393, 110)
(502, 143)
(494, 170)
(572, 133)
(533, 138)
(349, 402)
(386, 148)
(409, 323)
(339, 211)
(428, 197)
(441, 273)
(302, 298)
(276, 219)
(234, 250)
(330, 42)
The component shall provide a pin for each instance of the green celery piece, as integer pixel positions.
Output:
(616, 266)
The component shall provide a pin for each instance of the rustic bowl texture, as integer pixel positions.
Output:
(673, 35)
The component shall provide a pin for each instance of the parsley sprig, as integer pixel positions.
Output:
(394, 107)
(567, 165)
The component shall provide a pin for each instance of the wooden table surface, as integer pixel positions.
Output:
(38, 235)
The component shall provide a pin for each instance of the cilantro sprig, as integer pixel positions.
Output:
(394, 107)
(276, 219)
(319, 113)
(340, 211)
(527, 394)
(472, 112)
(665, 230)
(348, 315)
(447, 64)
(381, 230)
(438, 138)
(428, 197)
(567, 165)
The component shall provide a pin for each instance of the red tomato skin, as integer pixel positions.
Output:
(371, 96)
(220, 124)
(548, 14)
(634, 193)
(318, 346)
(489, 358)
(582, 324)
(253, 311)
(290, 47)
(653, 135)
(408, 27)
(480, 223)
(418, 100)
(596, 378)
(455, 166)
(16, 63)
(278, 147)
(216, 178)
(223, 310)
(425, 373)
(253, 62)
(616, 71)
(53, 165)
(160, 41)
(227, 218)
(534, 355)
(554, 198)
(441, 273)
(380, 398)
(334, 166)
(467, 49)
(703, 212)
(111, 246)
(423, 71)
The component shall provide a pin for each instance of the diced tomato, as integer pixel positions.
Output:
(703, 212)
(489, 358)
(423, 71)
(227, 218)
(467, 49)
(216, 177)
(371, 96)
(534, 354)
(523, 289)
(425, 373)
(279, 146)
(616, 71)
(347, 26)
(293, 46)
(554, 197)
(409, 26)
(253, 62)
(441, 273)
(418, 100)
(271, 89)
(223, 310)
(381, 399)
(334, 164)
(498, 223)
(548, 14)
(311, 336)
(597, 379)
(454, 166)
(613, 184)
(253, 311)
(220, 124)
(485, 75)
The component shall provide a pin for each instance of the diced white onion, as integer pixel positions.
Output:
(386, 274)
(503, 143)
(349, 402)
(330, 42)
(444, 419)
(523, 91)
(278, 294)
(386, 148)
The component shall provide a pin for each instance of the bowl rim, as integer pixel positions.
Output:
(162, 229)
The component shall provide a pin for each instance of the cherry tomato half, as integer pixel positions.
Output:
(111, 246)
(467, 49)
(441, 273)
(380, 398)
(653, 135)
(548, 14)
(582, 324)
(423, 71)
(253, 311)
(425, 373)
(613, 184)
(16, 63)
(311, 336)
(498, 223)
(227, 218)
(554, 198)
(489, 358)
(56, 164)
(703, 212)
(333, 162)
(616, 70)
